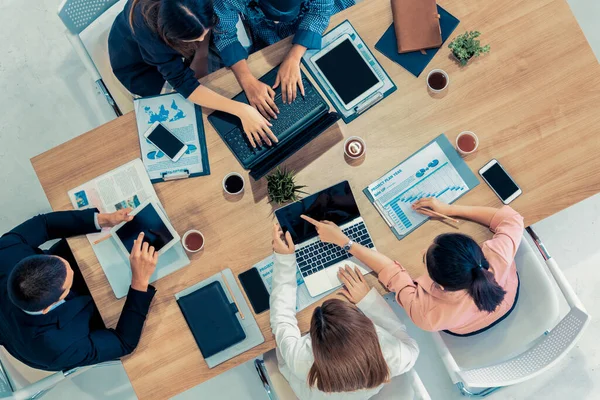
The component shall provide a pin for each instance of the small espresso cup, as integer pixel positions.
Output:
(437, 80)
(467, 143)
(195, 239)
(355, 147)
(233, 183)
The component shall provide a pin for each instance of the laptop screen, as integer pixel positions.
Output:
(335, 204)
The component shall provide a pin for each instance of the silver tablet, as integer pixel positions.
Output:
(346, 71)
(149, 218)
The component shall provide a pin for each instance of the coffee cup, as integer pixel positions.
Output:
(354, 147)
(437, 80)
(467, 143)
(193, 241)
(233, 183)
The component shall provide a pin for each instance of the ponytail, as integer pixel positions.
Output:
(456, 262)
(484, 289)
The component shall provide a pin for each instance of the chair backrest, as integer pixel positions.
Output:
(536, 312)
(79, 14)
(536, 360)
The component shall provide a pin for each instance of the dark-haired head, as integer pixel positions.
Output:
(346, 350)
(177, 22)
(456, 262)
(37, 282)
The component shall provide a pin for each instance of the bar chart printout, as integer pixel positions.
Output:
(428, 173)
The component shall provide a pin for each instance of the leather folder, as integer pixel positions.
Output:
(417, 25)
(212, 319)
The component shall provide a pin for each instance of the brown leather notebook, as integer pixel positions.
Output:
(417, 25)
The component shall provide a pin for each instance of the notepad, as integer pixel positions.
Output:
(212, 319)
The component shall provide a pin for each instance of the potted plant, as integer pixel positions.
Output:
(282, 188)
(466, 46)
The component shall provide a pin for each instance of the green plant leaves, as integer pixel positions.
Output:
(466, 46)
(281, 187)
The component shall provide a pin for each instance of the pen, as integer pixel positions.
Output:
(232, 296)
(102, 239)
(443, 216)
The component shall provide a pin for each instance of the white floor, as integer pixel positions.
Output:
(47, 98)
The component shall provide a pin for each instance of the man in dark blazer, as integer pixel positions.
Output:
(48, 320)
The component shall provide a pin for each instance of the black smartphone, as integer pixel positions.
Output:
(255, 290)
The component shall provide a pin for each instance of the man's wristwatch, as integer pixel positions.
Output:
(348, 245)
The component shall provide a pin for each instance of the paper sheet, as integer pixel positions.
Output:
(126, 186)
(303, 298)
(178, 115)
(427, 173)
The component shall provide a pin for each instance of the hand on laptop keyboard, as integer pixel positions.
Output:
(289, 76)
(260, 96)
(256, 127)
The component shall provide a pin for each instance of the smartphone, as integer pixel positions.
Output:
(499, 181)
(255, 290)
(165, 141)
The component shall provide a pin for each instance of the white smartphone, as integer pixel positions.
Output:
(499, 181)
(165, 141)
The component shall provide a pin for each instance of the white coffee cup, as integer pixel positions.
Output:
(359, 145)
(441, 71)
(230, 175)
(192, 232)
(471, 134)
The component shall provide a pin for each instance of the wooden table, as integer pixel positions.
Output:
(534, 101)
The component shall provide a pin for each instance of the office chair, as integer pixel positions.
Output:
(89, 21)
(407, 386)
(530, 341)
(20, 382)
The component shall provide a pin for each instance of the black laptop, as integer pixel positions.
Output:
(296, 125)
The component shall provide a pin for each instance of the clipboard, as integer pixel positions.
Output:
(172, 110)
(388, 87)
(393, 214)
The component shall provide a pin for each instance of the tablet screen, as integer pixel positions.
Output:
(347, 72)
(148, 221)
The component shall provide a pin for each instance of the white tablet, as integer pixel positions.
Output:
(346, 71)
(149, 218)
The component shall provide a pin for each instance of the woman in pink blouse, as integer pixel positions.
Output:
(467, 289)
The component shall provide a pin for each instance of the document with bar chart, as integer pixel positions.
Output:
(436, 170)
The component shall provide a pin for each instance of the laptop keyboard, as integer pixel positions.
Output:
(289, 115)
(319, 255)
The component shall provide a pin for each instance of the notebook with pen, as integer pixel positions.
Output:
(209, 308)
(417, 25)
(436, 170)
(212, 319)
(415, 62)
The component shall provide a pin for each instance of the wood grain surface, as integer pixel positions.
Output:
(534, 102)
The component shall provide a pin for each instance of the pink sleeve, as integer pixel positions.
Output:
(408, 294)
(507, 225)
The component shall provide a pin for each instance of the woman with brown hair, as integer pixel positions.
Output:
(354, 347)
(153, 41)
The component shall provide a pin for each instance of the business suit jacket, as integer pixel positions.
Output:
(72, 334)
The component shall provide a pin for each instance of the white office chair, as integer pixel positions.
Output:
(404, 387)
(20, 382)
(88, 24)
(528, 342)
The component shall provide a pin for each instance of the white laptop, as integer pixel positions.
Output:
(319, 262)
